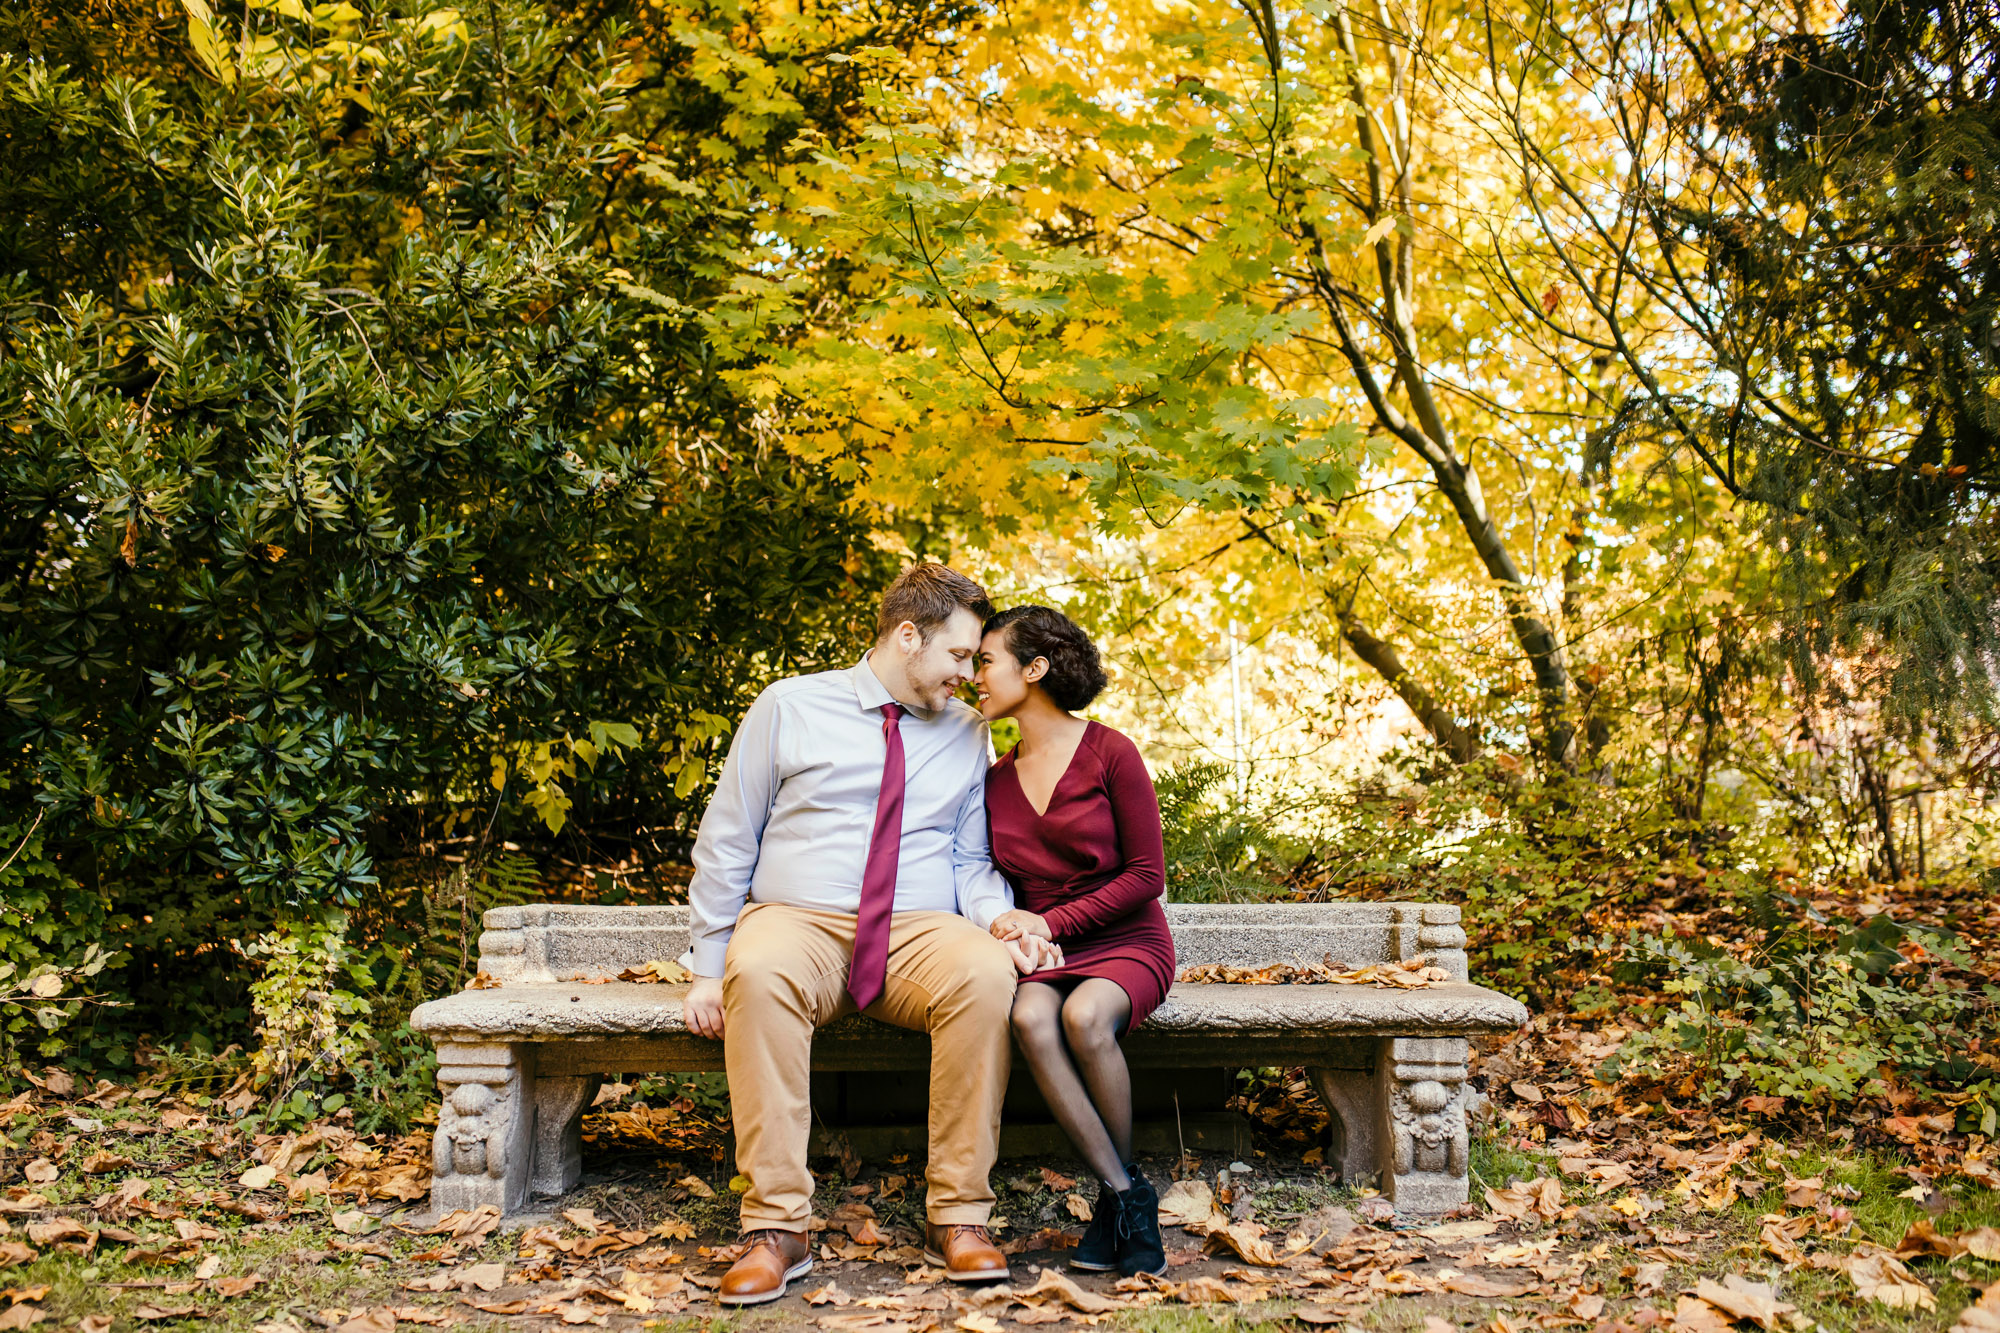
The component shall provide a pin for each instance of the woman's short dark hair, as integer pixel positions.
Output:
(1076, 673)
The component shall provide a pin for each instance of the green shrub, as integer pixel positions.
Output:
(1819, 1022)
(354, 472)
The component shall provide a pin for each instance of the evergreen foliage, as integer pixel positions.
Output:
(346, 464)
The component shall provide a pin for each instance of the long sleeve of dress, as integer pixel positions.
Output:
(1136, 809)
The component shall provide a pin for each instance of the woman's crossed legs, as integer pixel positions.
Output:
(1068, 1031)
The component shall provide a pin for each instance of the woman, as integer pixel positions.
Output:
(1076, 828)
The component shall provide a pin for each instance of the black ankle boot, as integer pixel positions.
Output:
(1097, 1252)
(1140, 1249)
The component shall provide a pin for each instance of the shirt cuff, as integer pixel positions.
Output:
(984, 912)
(707, 958)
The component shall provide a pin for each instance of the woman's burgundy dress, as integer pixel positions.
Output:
(1092, 866)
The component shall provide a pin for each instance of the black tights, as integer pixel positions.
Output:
(1069, 1033)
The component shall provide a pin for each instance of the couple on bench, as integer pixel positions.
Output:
(844, 864)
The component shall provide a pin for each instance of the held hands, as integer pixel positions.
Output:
(1019, 921)
(1028, 941)
(701, 1008)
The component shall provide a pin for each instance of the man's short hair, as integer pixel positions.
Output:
(927, 594)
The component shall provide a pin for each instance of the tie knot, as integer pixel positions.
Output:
(892, 712)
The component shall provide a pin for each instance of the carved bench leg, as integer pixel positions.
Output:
(483, 1152)
(559, 1107)
(1421, 1089)
(1350, 1099)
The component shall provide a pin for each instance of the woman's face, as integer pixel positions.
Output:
(1001, 682)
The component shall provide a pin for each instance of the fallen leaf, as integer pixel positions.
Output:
(1803, 1193)
(830, 1294)
(483, 1277)
(229, 1287)
(466, 1225)
(41, 1171)
(1469, 1230)
(1491, 1285)
(147, 1310)
(1245, 1239)
(583, 1219)
(354, 1222)
(382, 1319)
(19, 1316)
(258, 1177)
(1540, 1198)
(696, 1186)
(1880, 1276)
(498, 1307)
(1694, 1315)
(1069, 1293)
(189, 1229)
(94, 1323)
(1079, 1207)
(103, 1163)
(1744, 1300)
(14, 1252)
(1057, 1181)
(976, 1322)
(1983, 1315)
(208, 1267)
(1586, 1305)
(1187, 1203)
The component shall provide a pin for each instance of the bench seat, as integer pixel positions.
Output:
(519, 1062)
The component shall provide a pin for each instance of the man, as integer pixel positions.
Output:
(850, 818)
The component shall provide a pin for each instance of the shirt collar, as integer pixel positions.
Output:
(872, 693)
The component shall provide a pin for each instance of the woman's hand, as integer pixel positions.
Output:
(1031, 953)
(1019, 922)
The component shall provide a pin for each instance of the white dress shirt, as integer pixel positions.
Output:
(794, 811)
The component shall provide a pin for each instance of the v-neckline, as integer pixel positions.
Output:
(1061, 777)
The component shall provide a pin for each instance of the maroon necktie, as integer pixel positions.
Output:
(865, 977)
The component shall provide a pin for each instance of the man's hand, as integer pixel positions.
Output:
(1018, 922)
(702, 1007)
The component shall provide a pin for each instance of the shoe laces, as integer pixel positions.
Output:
(1125, 1227)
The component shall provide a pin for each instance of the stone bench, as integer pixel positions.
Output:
(519, 1062)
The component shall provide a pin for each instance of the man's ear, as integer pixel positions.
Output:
(908, 638)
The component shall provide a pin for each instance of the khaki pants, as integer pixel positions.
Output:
(786, 975)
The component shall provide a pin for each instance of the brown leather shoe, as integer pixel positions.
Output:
(773, 1259)
(966, 1253)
